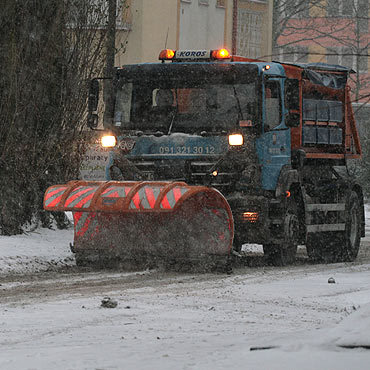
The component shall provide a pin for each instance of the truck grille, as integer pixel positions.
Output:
(145, 166)
(201, 171)
(193, 172)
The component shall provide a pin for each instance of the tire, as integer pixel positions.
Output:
(284, 253)
(238, 242)
(332, 247)
(322, 247)
(81, 260)
(349, 240)
(279, 255)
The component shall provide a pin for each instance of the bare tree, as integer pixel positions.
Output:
(339, 28)
(49, 52)
(289, 18)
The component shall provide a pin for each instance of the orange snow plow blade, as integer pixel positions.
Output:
(168, 221)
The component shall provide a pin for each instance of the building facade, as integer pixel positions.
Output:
(144, 27)
(253, 28)
(328, 31)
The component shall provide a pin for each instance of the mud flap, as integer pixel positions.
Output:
(169, 221)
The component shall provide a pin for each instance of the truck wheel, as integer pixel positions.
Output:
(349, 240)
(321, 247)
(81, 260)
(279, 255)
(324, 247)
(314, 247)
(238, 242)
(330, 247)
(284, 253)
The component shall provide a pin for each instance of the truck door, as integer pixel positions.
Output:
(274, 144)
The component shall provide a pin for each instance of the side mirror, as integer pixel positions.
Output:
(92, 121)
(93, 95)
(292, 119)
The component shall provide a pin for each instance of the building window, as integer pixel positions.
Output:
(341, 56)
(348, 58)
(254, 1)
(221, 3)
(124, 15)
(186, 1)
(347, 8)
(363, 19)
(333, 8)
(294, 54)
(249, 33)
(296, 9)
(333, 56)
(336, 8)
(362, 64)
(203, 2)
(96, 15)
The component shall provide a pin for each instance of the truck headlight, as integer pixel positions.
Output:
(108, 141)
(236, 139)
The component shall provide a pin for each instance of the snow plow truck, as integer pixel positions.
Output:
(211, 151)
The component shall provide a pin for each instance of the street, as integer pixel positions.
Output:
(262, 317)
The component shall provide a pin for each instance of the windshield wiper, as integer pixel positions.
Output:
(148, 132)
(174, 115)
(240, 112)
(172, 121)
(213, 133)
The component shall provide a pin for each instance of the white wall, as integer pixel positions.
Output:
(151, 20)
(201, 26)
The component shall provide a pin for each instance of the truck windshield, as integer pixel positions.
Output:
(189, 107)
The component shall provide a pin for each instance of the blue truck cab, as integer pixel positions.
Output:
(172, 116)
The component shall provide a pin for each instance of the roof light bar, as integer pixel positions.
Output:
(169, 54)
(220, 54)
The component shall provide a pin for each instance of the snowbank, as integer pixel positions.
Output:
(40, 250)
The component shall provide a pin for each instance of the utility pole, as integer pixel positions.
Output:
(111, 37)
(109, 65)
(235, 27)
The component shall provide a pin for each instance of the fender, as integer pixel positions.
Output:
(287, 177)
(289, 181)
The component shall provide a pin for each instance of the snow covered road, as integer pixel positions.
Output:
(180, 321)
(261, 318)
